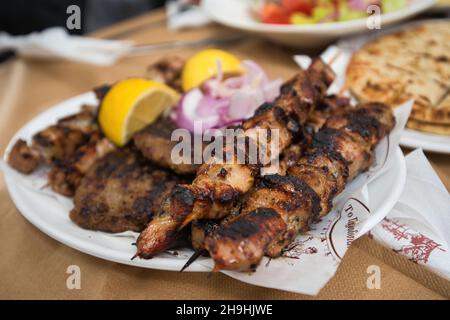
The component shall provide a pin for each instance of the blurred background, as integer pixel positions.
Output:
(25, 16)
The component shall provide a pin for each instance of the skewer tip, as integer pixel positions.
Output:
(135, 256)
(186, 221)
(194, 257)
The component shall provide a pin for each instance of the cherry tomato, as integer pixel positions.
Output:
(303, 6)
(273, 13)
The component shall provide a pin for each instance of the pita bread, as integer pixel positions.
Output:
(429, 127)
(411, 64)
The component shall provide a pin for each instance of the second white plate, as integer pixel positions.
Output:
(427, 141)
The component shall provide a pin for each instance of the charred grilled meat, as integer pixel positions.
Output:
(200, 229)
(62, 139)
(121, 192)
(23, 158)
(167, 70)
(281, 206)
(331, 106)
(56, 142)
(70, 147)
(218, 186)
(155, 143)
(66, 174)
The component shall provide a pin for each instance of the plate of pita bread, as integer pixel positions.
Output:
(410, 62)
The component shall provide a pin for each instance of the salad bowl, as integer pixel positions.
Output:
(238, 14)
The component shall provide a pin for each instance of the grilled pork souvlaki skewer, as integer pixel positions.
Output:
(200, 229)
(330, 106)
(282, 206)
(218, 187)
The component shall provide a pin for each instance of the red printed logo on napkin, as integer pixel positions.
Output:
(416, 246)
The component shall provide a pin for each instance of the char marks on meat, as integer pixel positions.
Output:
(342, 149)
(56, 142)
(154, 141)
(216, 194)
(121, 192)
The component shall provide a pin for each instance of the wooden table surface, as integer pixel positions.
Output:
(34, 265)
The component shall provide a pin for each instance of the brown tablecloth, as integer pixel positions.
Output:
(33, 265)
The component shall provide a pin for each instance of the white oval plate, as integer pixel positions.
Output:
(427, 141)
(49, 215)
(236, 14)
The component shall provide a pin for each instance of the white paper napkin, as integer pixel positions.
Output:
(57, 43)
(182, 14)
(419, 225)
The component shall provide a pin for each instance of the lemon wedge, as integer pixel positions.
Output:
(203, 66)
(132, 104)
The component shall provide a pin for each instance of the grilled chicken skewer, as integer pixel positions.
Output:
(282, 206)
(71, 147)
(218, 186)
(200, 229)
(331, 106)
(55, 142)
(66, 174)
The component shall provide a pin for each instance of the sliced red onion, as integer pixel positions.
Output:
(217, 89)
(200, 123)
(272, 89)
(204, 107)
(244, 103)
(208, 87)
(187, 109)
(254, 72)
(234, 82)
(185, 114)
(221, 103)
(196, 107)
(209, 106)
(219, 73)
(208, 123)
